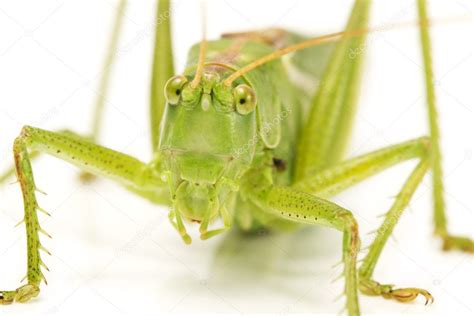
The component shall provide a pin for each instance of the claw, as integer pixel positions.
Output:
(22, 294)
(371, 287)
(409, 294)
(7, 297)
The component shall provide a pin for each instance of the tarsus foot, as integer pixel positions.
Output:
(458, 243)
(22, 294)
(371, 287)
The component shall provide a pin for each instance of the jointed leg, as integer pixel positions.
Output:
(163, 68)
(324, 137)
(440, 221)
(153, 195)
(335, 179)
(90, 157)
(371, 287)
(32, 155)
(304, 208)
(344, 174)
(10, 172)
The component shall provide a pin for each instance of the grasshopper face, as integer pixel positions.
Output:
(208, 140)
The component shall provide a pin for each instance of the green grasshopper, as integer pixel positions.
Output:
(236, 137)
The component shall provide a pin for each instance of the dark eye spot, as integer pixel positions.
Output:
(178, 91)
(242, 101)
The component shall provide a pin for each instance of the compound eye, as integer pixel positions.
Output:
(174, 88)
(245, 99)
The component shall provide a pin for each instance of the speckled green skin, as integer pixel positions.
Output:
(271, 168)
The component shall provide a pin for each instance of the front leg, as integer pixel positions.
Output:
(98, 160)
(162, 69)
(304, 208)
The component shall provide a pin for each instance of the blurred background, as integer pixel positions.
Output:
(115, 253)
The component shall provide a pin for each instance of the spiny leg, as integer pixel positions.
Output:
(10, 172)
(440, 221)
(304, 208)
(95, 159)
(32, 155)
(153, 195)
(346, 173)
(371, 287)
(324, 137)
(162, 70)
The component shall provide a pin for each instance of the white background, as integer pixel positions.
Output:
(117, 254)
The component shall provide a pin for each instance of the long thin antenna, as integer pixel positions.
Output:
(202, 49)
(325, 39)
(104, 77)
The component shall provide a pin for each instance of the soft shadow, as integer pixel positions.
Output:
(275, 261)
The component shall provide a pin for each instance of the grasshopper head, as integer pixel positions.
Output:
(207, 141)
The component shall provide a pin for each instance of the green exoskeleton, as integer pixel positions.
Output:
(239, 137)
